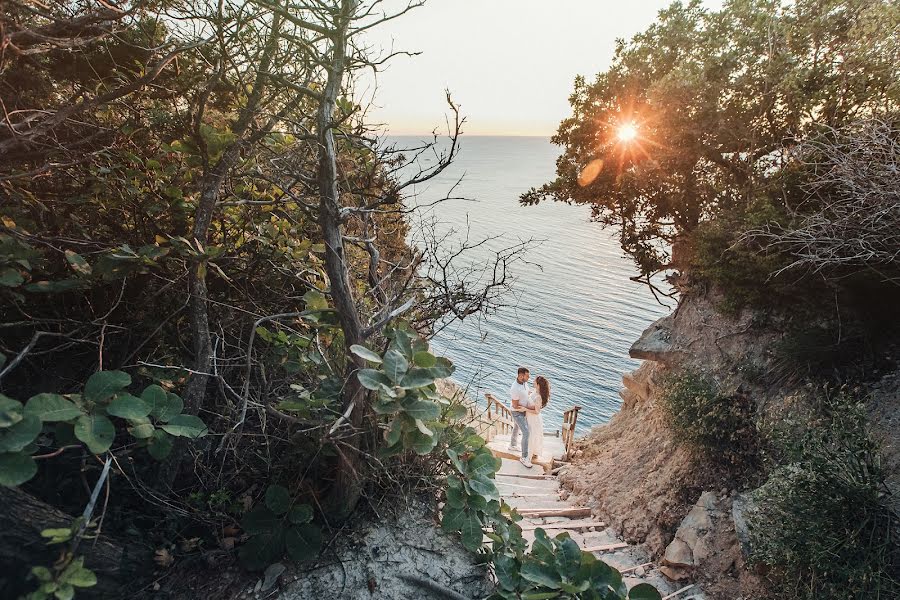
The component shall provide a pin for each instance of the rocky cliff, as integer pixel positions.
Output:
(687, 510)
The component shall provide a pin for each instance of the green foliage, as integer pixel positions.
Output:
(61, 580)
(61, 583)
(276, 526)
(720, 425)
(719, 98)
(742, 271)
(151, 420)
(823, 518)
(405, 392)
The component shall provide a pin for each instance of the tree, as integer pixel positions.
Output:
(718, 99)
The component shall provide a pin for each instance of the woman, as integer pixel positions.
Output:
(539, 397)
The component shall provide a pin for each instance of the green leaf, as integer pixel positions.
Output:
(422, 409)
(456, 498)
(11, 411)
(470, 531)
(17, 437)
(160, 445)
(395, 365)
(64, 592)
(372, 379)
(16, 468)
(365, 353)
(10, 277)
(392, 434)
(261, 550)
(541, 595)
(424, 359)
(540, 574)
(82, 577)
(103, 385)
(303, 542)
(52, 407)
(300, 514)
(167, 409)
(260, 520)
(127, 406)
(483, 465)
(189, 426)
(78, 264)
(452, 519)
(644, 591)
(315, 300)
(506, 569)
(153, 396)
(96, 431)
(484, 487)
(141, 431)
(278, 499)
(420, 443)
(416, 378)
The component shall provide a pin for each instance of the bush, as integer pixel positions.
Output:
(822, 520)
(740, 269)
(720, 425)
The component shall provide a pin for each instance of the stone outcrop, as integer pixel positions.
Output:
(693, 541)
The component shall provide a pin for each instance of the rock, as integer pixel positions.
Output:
(640, 572)
(678, 554)
(655, 343)
(628, 397)
(270, 577)
(673, 573)
(634, 383)
(691, 545)
(740, 506)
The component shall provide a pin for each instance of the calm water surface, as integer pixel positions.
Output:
(572, 314)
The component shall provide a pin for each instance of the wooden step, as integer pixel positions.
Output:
(541, 477)
(563, 525)
(572, 512)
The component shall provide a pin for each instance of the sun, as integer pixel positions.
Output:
(627, 132)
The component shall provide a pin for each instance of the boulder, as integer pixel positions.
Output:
(636, 384)
(692, 543)
(740, 507)
(655, 343)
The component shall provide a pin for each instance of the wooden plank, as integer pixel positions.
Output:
(555, 512)
(542, 477)
(635, 567)
(563, 525)
(606, 547)
(678, 592)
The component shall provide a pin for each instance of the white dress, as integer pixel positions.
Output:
(535, 427)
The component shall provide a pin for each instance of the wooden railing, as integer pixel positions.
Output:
(499, 415)
(570, 418)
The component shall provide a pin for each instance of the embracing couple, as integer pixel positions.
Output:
(526, 412)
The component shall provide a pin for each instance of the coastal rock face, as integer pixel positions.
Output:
(654, 490)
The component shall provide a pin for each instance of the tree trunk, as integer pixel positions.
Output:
(348, 478)
(23, 517)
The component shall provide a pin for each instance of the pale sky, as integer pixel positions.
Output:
(510, 64)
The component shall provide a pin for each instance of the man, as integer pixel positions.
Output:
(520, 403)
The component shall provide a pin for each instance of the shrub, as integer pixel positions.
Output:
(739, 268)
(821, 519)
(720, 425)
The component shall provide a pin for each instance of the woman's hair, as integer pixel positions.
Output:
(543, 386)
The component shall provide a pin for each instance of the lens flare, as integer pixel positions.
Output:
(590, 172)
(627, 132)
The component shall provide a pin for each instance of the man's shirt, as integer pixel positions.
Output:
(519, 391)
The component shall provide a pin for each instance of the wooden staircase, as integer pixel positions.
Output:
(536, 496)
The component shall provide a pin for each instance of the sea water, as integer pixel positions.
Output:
(571, 312)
